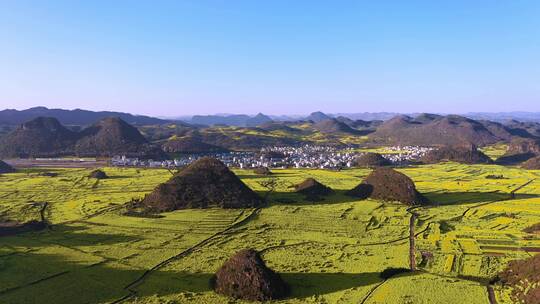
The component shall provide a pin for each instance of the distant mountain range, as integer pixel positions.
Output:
(73, 117)
(80, 117)
(499, 117)
(231, 120)
(506, 116)
(243, 120)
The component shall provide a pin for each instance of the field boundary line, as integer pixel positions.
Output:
(511, 197)
(372, 291)
(491, 294)
(131, 286)
(34, 282)
(263, 251)
(485, 283)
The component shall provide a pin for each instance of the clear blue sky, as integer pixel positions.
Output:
(277, 57)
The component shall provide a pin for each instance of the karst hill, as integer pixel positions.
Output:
(465, 154)
(206, 182)
(387, 184)
(46, 137)
(431, 129)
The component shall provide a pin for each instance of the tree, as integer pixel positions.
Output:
(271, 184)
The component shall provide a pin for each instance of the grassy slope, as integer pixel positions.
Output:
(330, 252)
(495, 151)
(306, 134)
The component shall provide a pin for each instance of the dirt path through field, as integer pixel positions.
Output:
(491, 295)
(132, 287)
(412, 239)
(373, 291)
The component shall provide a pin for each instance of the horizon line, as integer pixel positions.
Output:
(176, 116)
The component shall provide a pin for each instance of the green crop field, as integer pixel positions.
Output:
(331, 251)
(495, 151)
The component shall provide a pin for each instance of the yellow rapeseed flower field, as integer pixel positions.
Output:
(331, 251)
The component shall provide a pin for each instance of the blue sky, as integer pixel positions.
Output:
(173, 58)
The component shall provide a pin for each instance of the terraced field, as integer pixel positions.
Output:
(331, 251)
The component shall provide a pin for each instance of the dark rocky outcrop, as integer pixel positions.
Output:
(465, 154)
(388, 185)
(98, 174)
(262, 171)
(532, 164)
(205, 183)
(312, 189)
(245, 276)
(5, 168)
(371, 160)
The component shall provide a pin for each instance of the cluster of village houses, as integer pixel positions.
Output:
(404, 154)
(308, 156)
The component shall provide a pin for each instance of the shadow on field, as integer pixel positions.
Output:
(119, 177)
(297, 199)
(304, 285)
(55, 278)
(465, 198)
(81, 236)
(69, 236)
(258, 176)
